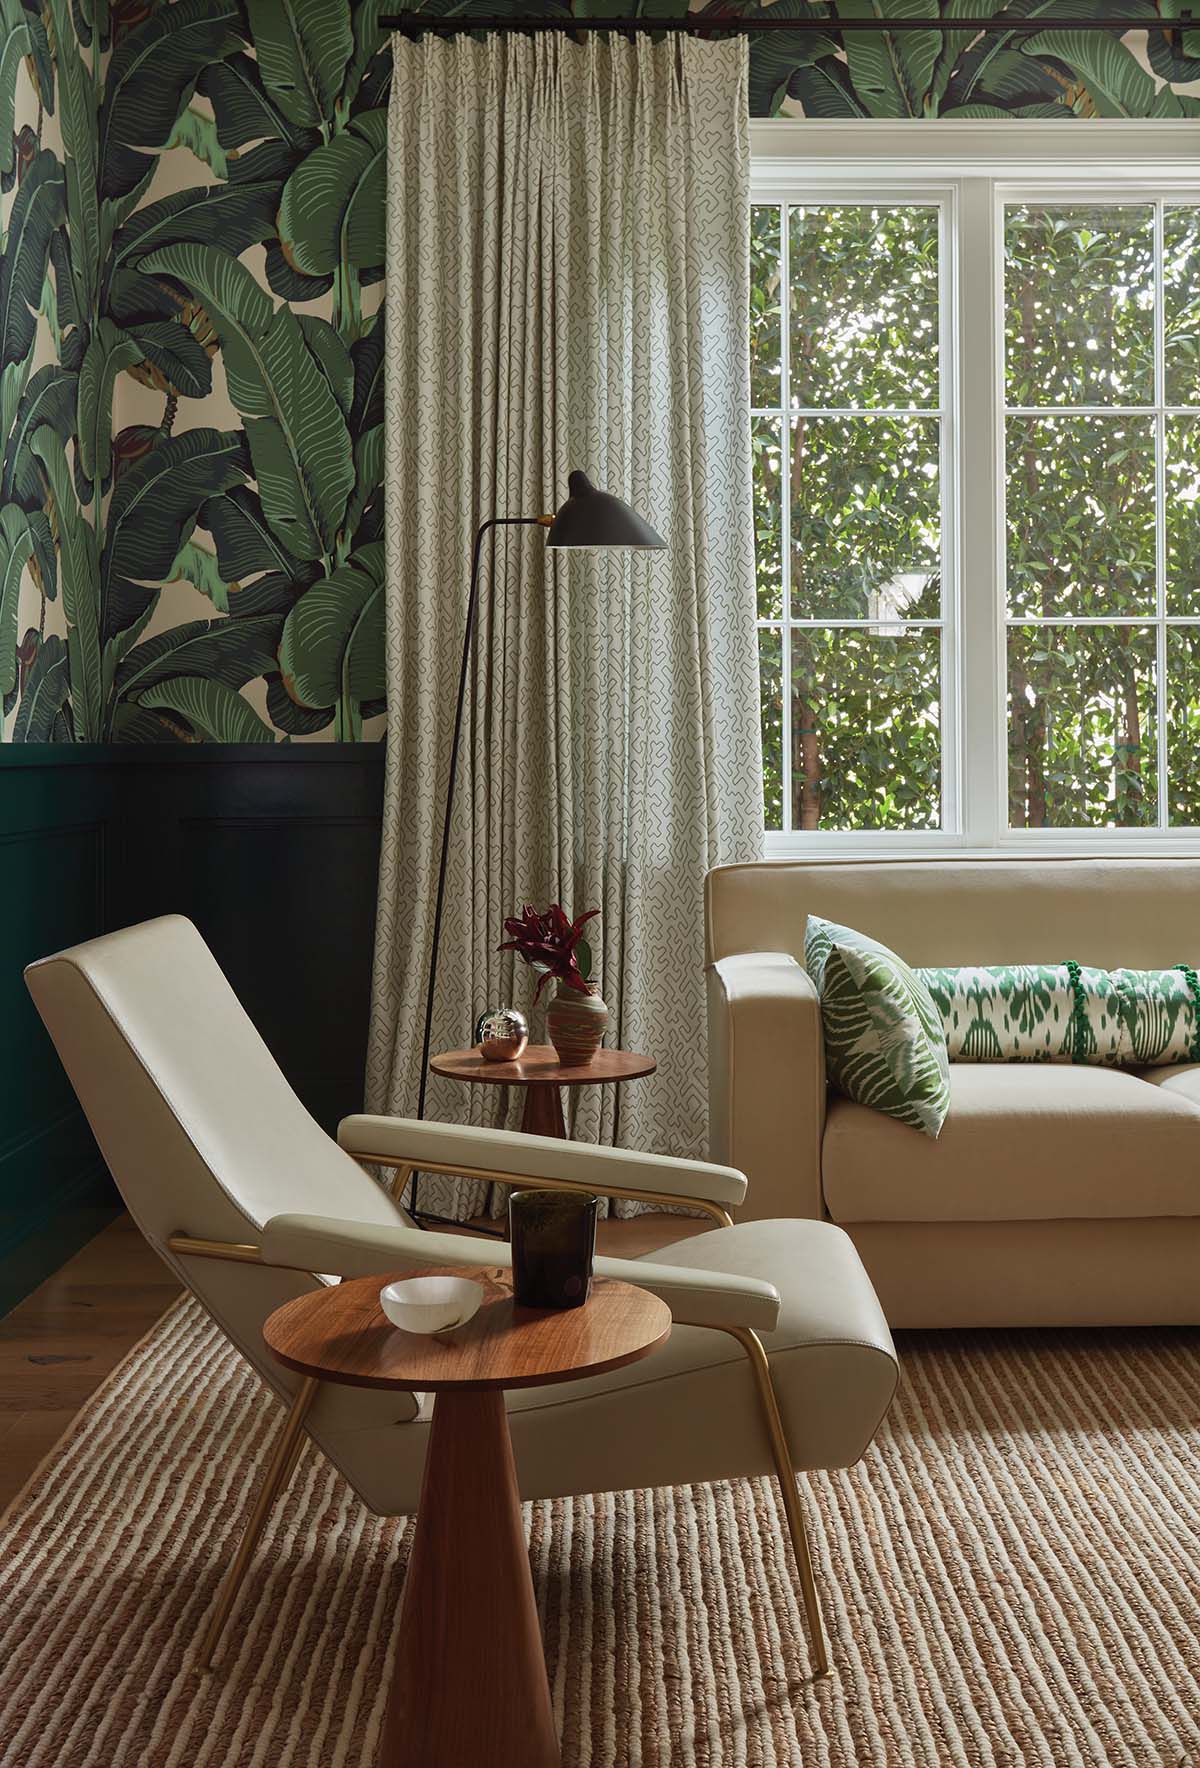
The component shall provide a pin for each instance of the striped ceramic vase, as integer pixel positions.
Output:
(575, 1023)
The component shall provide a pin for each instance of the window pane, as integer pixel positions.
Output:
(770, 677)
(1181, 315)
(1080, 515)
(766, 325)
(864, 303)
(1079, 297)
(865, 518)
(1183, 725)
(1183, 515)
(765, 437)
(1081, 737)
(866, 747)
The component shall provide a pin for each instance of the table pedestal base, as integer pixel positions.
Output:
(469, 1684)
(542, 1113)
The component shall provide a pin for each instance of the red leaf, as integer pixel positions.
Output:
(549, 941)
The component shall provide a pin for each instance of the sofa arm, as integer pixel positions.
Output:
(766, 1081)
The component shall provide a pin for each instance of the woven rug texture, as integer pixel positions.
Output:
(1010, 1576)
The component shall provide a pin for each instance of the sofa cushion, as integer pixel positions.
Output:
(1024, 1143)
(1181, 1082)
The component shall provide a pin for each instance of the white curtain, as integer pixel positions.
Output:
(567, 287)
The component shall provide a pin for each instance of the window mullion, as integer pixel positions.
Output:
(1160, 514)
(785, 512)
(982, 733)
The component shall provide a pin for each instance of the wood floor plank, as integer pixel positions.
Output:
(60, 1343)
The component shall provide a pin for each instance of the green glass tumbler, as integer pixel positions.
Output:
(553, 1235)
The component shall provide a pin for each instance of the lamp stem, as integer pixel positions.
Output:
(439, 903)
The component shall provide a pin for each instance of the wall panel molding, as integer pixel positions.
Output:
(273, 852)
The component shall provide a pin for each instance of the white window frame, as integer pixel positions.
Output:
(971, 170)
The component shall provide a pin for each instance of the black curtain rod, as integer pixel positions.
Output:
(414, 24)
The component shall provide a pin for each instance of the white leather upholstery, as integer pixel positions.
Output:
(533, 1157)
(1054, 1195)
(697, 1297)
(688, 1413)
(199, 1128)
(205, 1138)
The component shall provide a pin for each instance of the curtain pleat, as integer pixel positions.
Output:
(568, 252)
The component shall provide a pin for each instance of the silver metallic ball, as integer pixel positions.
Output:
(502, 1034)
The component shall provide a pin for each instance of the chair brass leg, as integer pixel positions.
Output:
(279, 1470)
(297, 1449)
(786, 1474)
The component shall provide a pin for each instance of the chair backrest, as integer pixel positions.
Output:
(202, 1133)
(1142, 913)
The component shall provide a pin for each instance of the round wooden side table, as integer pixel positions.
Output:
(469, 1687)
(541, 1073)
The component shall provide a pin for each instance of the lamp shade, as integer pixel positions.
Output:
(592, 518)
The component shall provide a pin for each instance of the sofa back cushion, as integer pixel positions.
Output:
(1139, 912)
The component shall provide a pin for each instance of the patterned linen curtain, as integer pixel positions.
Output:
(568, 250)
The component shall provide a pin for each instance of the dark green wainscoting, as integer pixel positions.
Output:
(271, 852)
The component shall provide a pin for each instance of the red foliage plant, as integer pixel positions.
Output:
(552, 943)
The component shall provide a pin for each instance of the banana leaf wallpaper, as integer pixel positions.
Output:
(190, 370)
(191, 366)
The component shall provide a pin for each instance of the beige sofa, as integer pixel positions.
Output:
(1054, 1195)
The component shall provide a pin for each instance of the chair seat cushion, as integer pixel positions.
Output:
(1023, 1143)
(825, 1295)
(831, 1353)
(691, 1412)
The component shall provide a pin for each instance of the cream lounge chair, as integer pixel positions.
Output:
(780, 1358)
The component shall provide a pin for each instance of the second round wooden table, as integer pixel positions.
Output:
(469, 1686)
(541, 1073)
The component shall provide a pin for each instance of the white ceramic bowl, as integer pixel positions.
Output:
(430, 1304)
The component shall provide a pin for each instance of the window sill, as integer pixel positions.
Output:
(1021, 844)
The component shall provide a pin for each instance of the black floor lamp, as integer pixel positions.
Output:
(589, 521)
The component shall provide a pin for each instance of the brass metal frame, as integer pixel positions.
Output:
(529, 1181)
(785, 1473)
(231, 1251)
(290, 1441)
(279, 1470)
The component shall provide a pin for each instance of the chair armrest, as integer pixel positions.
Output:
(367, 1249)
(766, 1081)
(514, 1158)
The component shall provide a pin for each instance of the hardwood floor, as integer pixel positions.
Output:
(57, 1345)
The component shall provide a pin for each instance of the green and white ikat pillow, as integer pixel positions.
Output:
(1068, 1012)
(884, 1042)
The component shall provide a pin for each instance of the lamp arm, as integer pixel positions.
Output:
(468, 636)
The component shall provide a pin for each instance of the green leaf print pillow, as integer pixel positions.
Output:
(884, 1042)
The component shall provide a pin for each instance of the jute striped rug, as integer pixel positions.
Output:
(1012, 1577)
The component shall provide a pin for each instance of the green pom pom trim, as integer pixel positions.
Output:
(1080, 1030)
(1193, 982)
